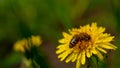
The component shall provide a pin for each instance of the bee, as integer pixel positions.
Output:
(79, 38)
(74, 41)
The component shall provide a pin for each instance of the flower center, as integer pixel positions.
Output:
(80, 41)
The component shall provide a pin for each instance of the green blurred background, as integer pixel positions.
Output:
(49, 18)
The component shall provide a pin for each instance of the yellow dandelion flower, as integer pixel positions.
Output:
(26, 44)
(36, 40)
(84, 42)
(21, 45)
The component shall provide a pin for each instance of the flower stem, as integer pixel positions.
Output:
(92, 64)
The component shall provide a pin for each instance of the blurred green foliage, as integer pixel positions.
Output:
(49, 18)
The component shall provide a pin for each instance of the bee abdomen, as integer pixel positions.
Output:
(74, 41)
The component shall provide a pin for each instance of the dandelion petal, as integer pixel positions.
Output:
(78, 64)
(70, 57)
(94, 51)
(107, 46)
(75, 57)
(99, 55)
(102, 50)
(83, 58)
(65, 35)
(88, 53)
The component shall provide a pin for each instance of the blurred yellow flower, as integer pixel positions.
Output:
(82, 42)
(21, 45)
(26, 44)
(36, 40)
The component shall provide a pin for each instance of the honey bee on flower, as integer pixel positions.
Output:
(84, 42)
